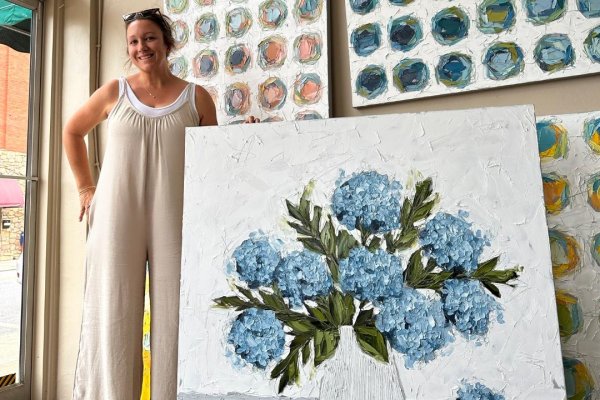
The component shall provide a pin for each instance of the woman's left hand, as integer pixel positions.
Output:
(251, 120)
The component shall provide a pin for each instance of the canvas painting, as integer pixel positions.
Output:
(569, 148)
(407, 49)
(385, 257)
(266, 58)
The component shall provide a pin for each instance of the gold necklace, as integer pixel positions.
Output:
(147, 91)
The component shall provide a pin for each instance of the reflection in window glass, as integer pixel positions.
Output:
(15, 45)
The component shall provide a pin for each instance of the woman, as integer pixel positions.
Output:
(135, 215)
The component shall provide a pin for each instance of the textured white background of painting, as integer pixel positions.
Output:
(524, 33)
(255, 75)
(582, 222)
(482, 161)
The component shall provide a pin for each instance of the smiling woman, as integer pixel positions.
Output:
(140, 190)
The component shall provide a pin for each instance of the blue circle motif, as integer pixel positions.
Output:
(589, 8)
(554, 52)
(503, 60)
(405, 33)
(496, 16)
(366, 39)
(363, 7)
(450, 26)
(544, 11)
(411, 75)
(371, 81)
(592, 44)
(454, 70)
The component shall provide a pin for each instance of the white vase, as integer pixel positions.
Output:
(351, 374)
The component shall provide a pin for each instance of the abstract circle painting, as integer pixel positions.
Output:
(411, 75)
(272, 13)
(450, 26)
(237, 59)
(205, 64)
(308, 11)
(272, 52)
(206, 28)
(237, 22)
(308, 48)
(181, 33)
(371, 82)
(272, 94)
(404, 33)
(496, 16)
(553, 142)
(554, 52)
(455, 70)
(503, 60)
(544, 11)
(366, 39)
(237, 99)
(308, 89)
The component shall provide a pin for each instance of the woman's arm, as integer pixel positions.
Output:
(205, 107)
(93, 111)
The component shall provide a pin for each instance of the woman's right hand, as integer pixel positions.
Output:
(85, 201)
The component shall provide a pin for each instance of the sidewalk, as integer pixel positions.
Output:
(8, 265)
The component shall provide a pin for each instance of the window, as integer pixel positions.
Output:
(19, 109)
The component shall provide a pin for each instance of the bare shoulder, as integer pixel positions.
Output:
(205, 106)
(106, 96)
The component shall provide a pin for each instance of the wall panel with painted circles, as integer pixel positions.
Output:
(266, 58)
(466, 45)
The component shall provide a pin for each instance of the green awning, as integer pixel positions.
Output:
(15, 26)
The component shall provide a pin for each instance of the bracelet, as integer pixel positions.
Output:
(86, 189)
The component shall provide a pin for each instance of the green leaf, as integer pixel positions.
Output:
(407, 238)
(345, 243)
(327, 240)
(300, 228)
(414, 271)
(349, 309)
(492, 288)
(293, 211)
(313, 245)
(281, 366)
(502, 276)
(405, 213)
(423, 191)
(365, 318)
(372, 342)
(431, 264)
(337, 308)
(316, 219)
(423, 211)
(304, 209)
(283, 382)
(334, 269)
(374, 244)
(306, 353)
(272, 300)
(300, 327)
(246, 292)
(229, 302)
(325, 343)
(485, 267)
(318, 313)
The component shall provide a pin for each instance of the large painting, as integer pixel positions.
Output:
(569, 148)
(266, 58)
(406, 49)
(389, 257)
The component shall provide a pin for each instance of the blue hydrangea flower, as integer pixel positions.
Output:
(370, 198)
(257, 337)
(478, 391)
(468, 306)
(452, 243)
(414, 325)
(255, 261)
(370, 276)
(303, 275)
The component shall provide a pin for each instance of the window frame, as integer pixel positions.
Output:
(22, 389)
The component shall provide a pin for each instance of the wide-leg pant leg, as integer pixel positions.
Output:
(109, 365)
(165, 200)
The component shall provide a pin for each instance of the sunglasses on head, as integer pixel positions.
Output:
(141, 14)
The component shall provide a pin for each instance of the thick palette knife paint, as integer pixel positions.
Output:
(406, 49)
(266, 58)
(569, 147)
(336, 259)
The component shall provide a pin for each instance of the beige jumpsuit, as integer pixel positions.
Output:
(135, 217)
